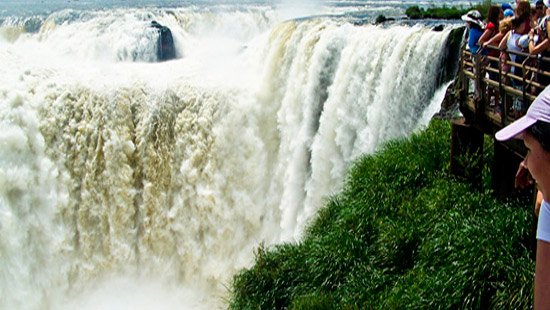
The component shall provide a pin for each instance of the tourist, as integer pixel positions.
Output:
(491, 30)
(523, 12)
(537, 12)
(539, 44)
(494, 15)
(540, 8)
(504, 27)
(476, 26)
(514, 43)
(534, 129)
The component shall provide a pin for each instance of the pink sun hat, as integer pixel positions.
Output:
(538, 111)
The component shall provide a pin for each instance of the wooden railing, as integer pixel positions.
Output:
(475, 80)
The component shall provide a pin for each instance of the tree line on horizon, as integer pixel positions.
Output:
(444, 12)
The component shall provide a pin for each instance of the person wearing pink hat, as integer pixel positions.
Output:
(534, 129)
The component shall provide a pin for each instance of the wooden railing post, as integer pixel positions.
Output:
(466, 152)
(479, 91)
(503, 96)
(464, 79)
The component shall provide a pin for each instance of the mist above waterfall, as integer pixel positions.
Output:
(289, 9)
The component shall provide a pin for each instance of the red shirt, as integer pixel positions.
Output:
(493, 28)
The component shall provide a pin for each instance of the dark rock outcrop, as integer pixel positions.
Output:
(451, 54)
(382, 19)
(165, 45)
(449, 71)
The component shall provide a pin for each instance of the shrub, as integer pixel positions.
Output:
(414, 12)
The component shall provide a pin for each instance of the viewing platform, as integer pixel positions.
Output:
(475, 79)
(485, 116)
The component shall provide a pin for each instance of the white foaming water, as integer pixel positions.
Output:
(135, 185)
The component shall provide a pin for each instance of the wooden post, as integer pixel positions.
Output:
(502, 93)
(466, 152)
(463, 82)
(480, 93)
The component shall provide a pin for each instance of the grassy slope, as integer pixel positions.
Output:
(401, 235)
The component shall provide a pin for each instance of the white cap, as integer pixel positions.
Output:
(474, 16)
(538, 111)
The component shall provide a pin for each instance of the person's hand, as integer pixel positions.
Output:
(523, 177)
(538, 203)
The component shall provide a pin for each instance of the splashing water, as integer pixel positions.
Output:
(128, 184)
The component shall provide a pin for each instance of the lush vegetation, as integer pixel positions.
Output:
(415, 12)
(401, 235)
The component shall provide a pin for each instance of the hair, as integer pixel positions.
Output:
(505, 25)
(523, 10)
(523, 13)
(493, 15)
(541, 132)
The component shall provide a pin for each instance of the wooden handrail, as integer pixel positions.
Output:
(474, 67)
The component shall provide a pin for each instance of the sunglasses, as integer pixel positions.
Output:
(539, 7)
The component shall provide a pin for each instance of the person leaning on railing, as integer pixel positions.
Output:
(491, 30)
(539, 44)
(511, 42)
(504, 26)
(476, 29)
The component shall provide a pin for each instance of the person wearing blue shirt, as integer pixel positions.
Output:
(476, 26)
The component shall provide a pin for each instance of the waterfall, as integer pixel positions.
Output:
(126, 182)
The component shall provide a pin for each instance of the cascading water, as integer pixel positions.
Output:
(128, 184)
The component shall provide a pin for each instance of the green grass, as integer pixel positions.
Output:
(402, 234)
